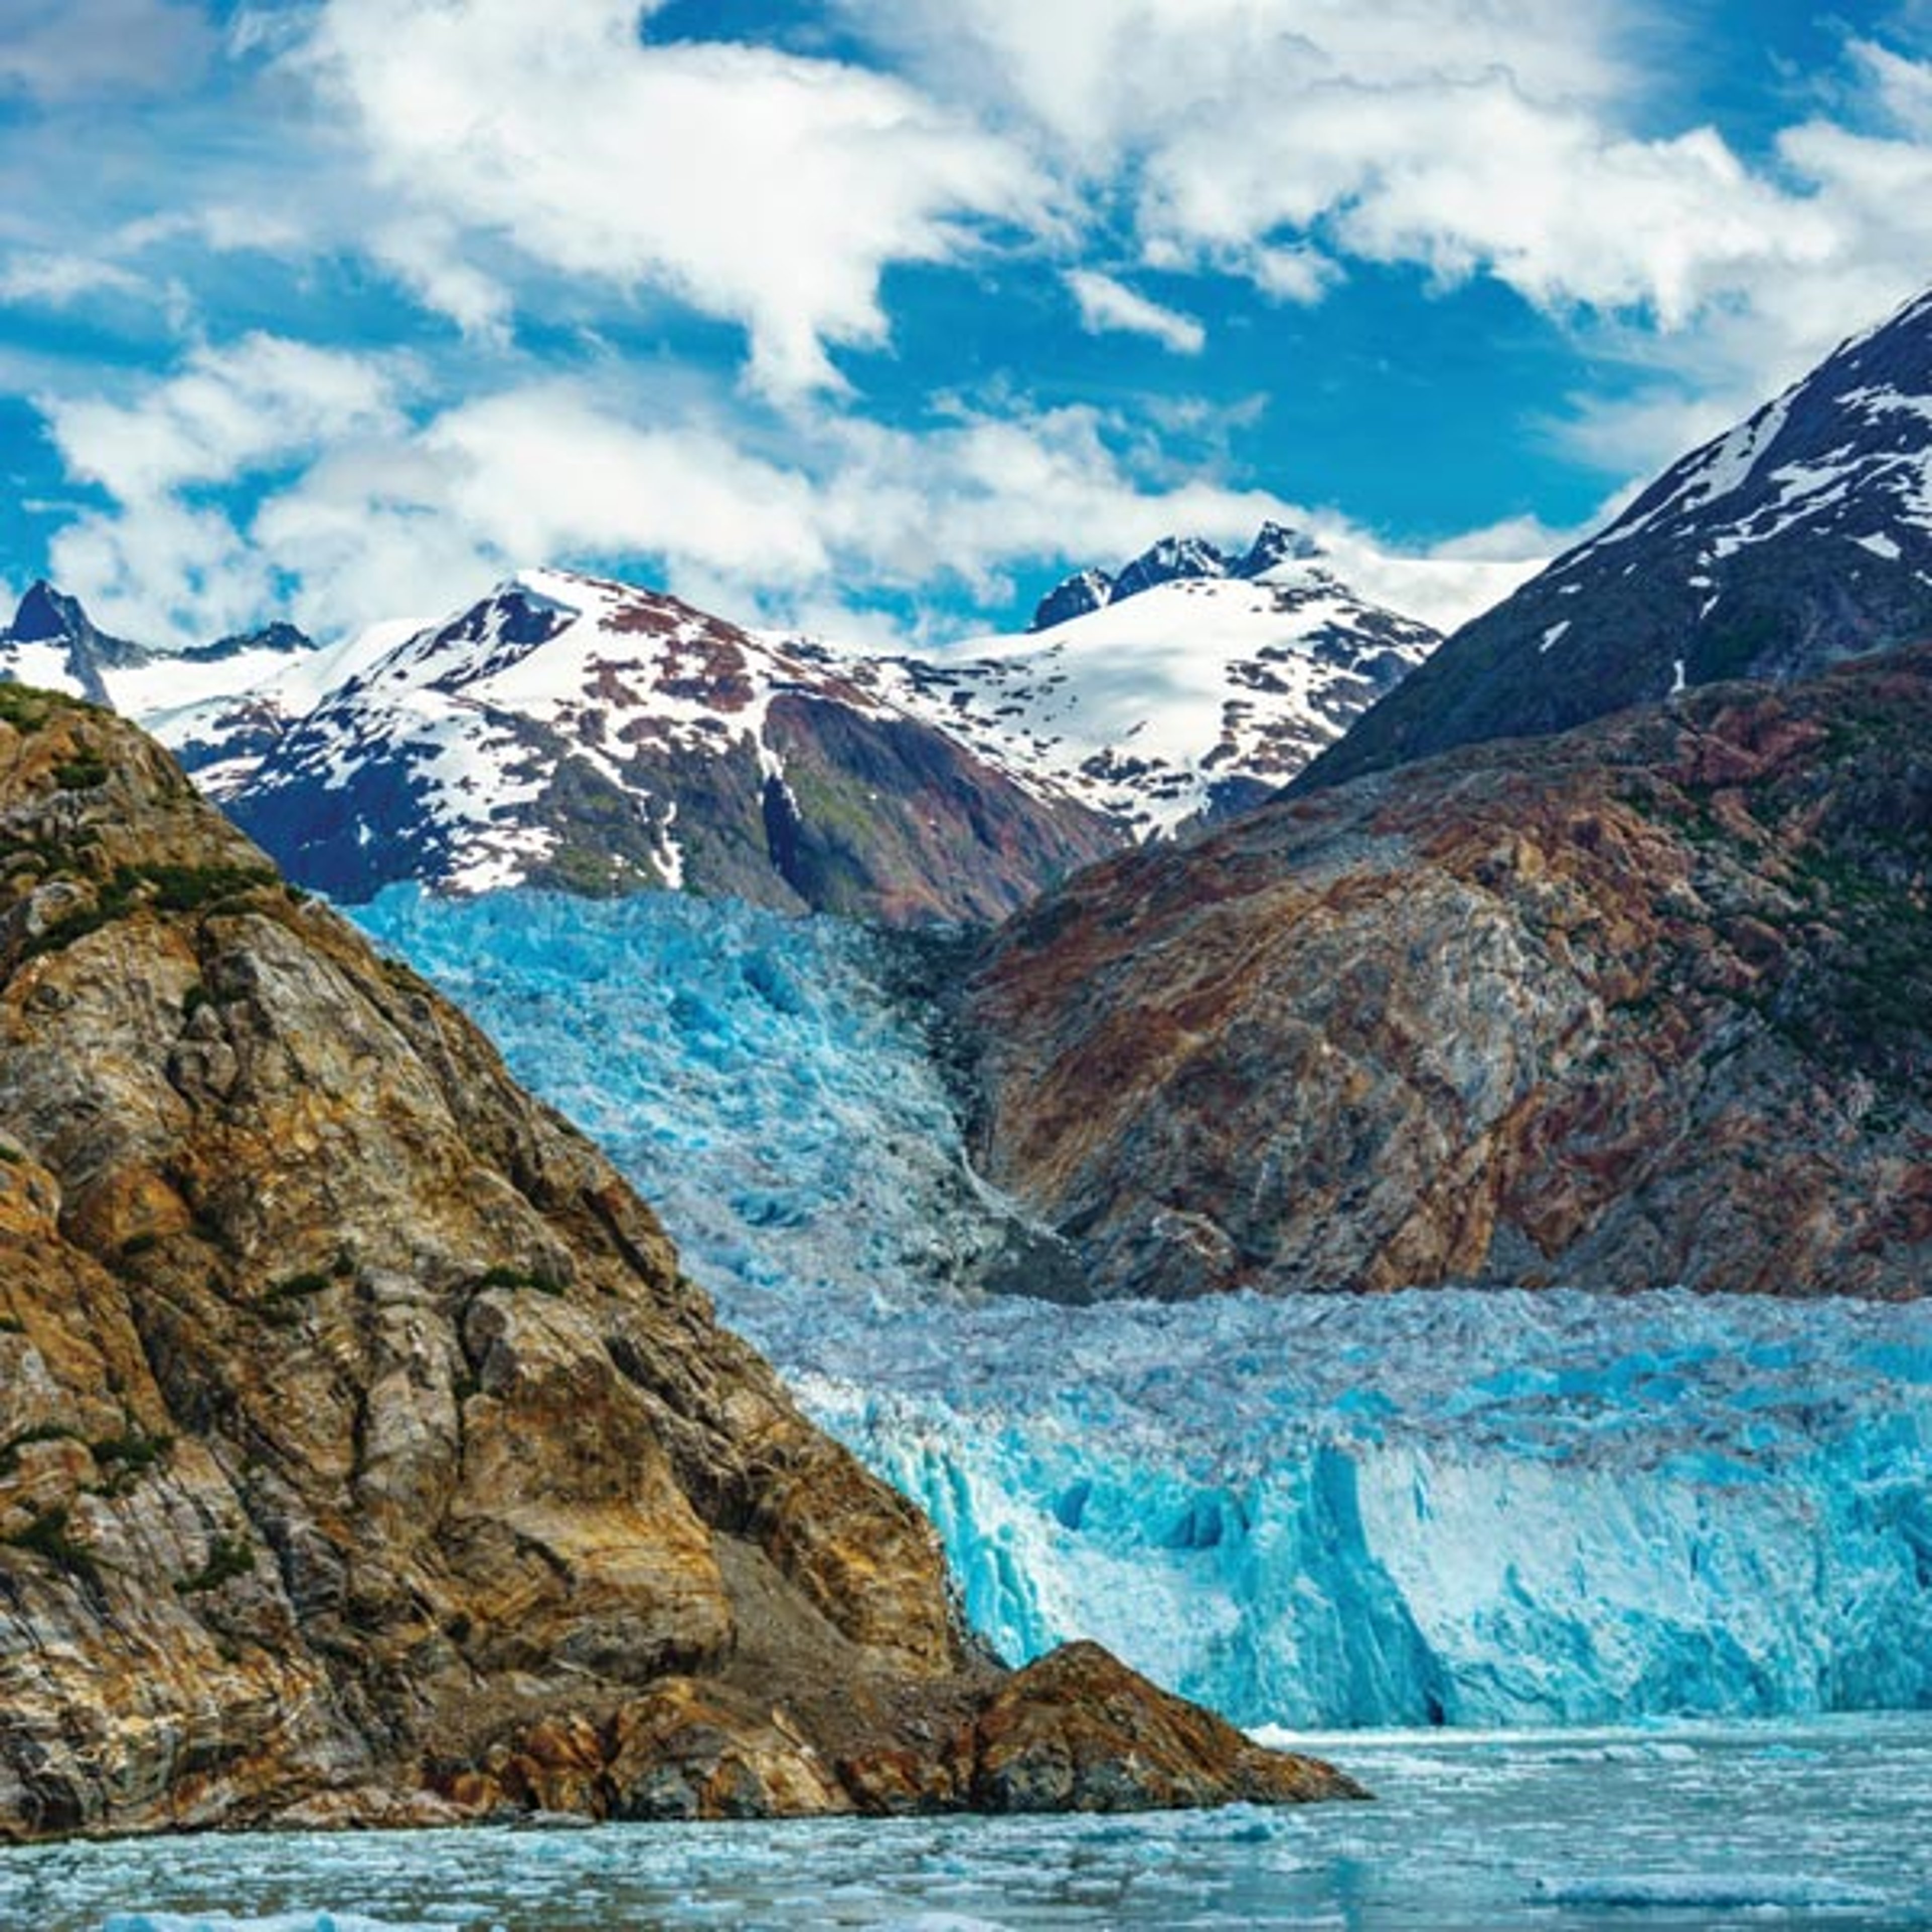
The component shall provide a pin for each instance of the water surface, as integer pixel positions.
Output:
(1665, 1828)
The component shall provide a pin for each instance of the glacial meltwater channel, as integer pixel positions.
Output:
(1672, 1828)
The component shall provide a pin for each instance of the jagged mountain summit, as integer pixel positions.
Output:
(1192, 684)
(366, 1455)
(1802, 537)
(1649, 1002)
(1172, 559)
(575, 732)
(53, 644)
(217, 706)
(571, 731)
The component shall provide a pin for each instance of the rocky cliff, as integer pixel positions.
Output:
(364, 1456)
(1648, 1003)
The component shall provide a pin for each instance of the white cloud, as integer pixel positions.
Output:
(425, 255)
(548, 472)
(1107, 79)
(1279, 139)
(1442, 589)
(58, 280)
(767, 189)
(165, 571)
(364, 511)
(226, 227)
(1107, 305)
(510, 153)
(229, 411)
(162, 563)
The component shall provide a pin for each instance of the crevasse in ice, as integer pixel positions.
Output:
(1454, 1506)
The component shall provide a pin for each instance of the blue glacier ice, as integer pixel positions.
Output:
(1444, 1508)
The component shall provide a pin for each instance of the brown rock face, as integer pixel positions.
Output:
(1079, 1731)
(1650, 1004)
(363, 1456)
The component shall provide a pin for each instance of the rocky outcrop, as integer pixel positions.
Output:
(1077, 1731)
(364, 1456)
(1648, 1003)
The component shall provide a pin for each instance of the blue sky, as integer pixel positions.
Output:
(876, 315)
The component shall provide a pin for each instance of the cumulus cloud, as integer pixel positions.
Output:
(502, 163)
(164, 558)
(1107, 305)
(1107, 79)
(360, 508)
(1279, 139)
(768, 189)
(229, 411)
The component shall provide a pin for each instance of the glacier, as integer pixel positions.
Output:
(1438, 1508)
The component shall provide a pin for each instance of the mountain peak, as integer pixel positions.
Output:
(1073, 597)
(1800, 537)
(1274, 544)
(47, 615)
(63, 647)
(1173, 560)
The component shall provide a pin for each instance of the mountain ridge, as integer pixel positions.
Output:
(575, 732)
(1800, 536)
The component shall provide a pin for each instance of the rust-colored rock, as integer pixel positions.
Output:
(1650, 1003)
(364, 1457)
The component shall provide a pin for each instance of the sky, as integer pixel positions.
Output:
(876, 317)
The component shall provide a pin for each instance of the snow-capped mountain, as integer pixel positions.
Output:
(1190, 684)
(52, 644)
(271, 679)
(575, 732)
(1802, 536)
(213, 706)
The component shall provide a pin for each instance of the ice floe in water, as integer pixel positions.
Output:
(1452, 1507)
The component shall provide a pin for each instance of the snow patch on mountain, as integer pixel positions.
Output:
(574, 731)
(1197, 685)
